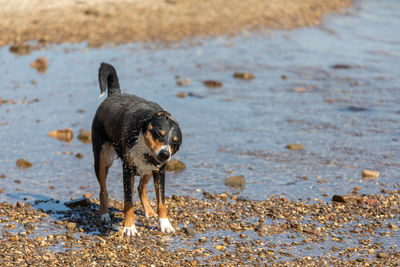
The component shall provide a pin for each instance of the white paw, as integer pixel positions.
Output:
(130, 231)
(166, 226)
(105, 218)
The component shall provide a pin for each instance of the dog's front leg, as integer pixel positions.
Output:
(129, 218)
(159, 184)
(148, 210)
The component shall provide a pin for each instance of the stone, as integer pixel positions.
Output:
(23, 164)
(71, 226)
(236, 181)
(212, 84)
(243, 75)
(175, 165)
(80, 202)
(369, 174)
(65, 135)
(295, 147)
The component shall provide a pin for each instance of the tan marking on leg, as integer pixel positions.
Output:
(148, 210)
(150, 126)
(162, 132)
(129, 214)
(161, 207)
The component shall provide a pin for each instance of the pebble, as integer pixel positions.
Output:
(369, 174)
(212, 83)
(65, 135)
(220, 247)
(295, 147)
(243, 75)
(71, 226)
(237, 181)
(23, 164)
(40, 64)
(181, 95)
(175, 165)
(85, 136)
(77, 202)
(190, 230)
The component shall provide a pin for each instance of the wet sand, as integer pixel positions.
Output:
(98, 22)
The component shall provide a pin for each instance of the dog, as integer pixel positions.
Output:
(144, 136)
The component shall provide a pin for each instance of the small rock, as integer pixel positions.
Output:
(85, 136)
(181, 95)
(220, 248)
(175, 197)
(79, 156)
(268, 230)
(1, 190)
(237, 181)
(30, 226)
(369, 174)
(341, 66)
(20, 49)
(182, 82)
(243, 75)
(283, 77)
(23, 164)
(295, 147)
(191, 94)
(2, 176)
(322, 181)
(65, 135)
(71, 226)
(381, 255)
(344, 199)
(212, 84)
(175, 165)
(70, 236)
(40, 64)
(190, 231)
(80, 202)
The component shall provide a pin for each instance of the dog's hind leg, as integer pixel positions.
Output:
(148, 210)
(159, 184)
(103, 159)
(129, 215)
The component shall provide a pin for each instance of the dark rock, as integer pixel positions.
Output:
(236, 182)
(80, 202)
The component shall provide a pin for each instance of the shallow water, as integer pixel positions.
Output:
(347, 118)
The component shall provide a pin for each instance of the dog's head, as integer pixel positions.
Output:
(162, 136)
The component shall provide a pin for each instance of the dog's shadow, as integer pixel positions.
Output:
(82, 211)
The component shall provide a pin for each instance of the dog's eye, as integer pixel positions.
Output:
(160, 133)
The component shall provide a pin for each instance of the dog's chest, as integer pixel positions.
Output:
(139, 156)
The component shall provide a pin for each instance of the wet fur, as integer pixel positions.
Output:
(125, 125)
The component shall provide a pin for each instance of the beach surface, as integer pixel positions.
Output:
(99, 21)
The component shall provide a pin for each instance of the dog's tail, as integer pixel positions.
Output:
(108, 79)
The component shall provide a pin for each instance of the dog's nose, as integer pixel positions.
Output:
(163, 155)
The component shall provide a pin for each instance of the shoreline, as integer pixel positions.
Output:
(100, 22)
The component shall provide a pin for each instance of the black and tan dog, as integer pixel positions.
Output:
(144, 136)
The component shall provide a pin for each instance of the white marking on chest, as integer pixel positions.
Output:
(137, 158)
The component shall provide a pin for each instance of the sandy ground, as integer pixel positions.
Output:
(101, 21)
